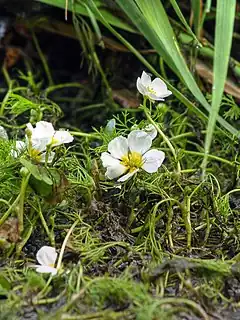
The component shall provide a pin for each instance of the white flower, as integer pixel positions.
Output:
(44, 135)
(46, 258)
(151, 130)
(154, 90)
(3, 133)
(41, 137)
(128, 155)
(20, 147)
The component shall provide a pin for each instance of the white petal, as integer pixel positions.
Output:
(62, 136)
(160, 88)
(151, 130)
(154, 97)
(118, 147)
(127, 176)
(153, 160)
(141, 88)
(108, 160)
(20, 145)
(145, 79)
(40, 144)
(30, 127)
(115, 171)
(46, 269)
(19, 148)
(44, 129)
(50, 157)
(3, 133)
(47, 256)
(139, 141)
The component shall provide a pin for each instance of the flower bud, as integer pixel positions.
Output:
(24, 171)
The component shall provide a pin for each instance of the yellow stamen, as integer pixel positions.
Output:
(132, 161)
(35, 155)
(51, 265)
(150, 90)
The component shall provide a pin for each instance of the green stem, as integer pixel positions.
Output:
(45, 226)
(43, 59)
(165, 138)
(85, 135)
(64, 85)
(44, 290)
(26, 236)
(4, 102)
(8, 212)
(146, 225)
(104, 78)
(24, 185)
(169, 226)
(6, 76)
(92, 106)
(192, 304)
(187, 220)
(49, 300)
(210, 156)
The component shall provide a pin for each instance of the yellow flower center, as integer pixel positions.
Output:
(132, 161)
(51, 265)
(35, 155)
(54, 140)
(150, 90)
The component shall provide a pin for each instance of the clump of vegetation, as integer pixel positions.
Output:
(119, 190)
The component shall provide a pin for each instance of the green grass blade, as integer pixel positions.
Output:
(81, 9)
(196, 9)
(223, 41)
(191, 106)
(151, 19)
(183, 20)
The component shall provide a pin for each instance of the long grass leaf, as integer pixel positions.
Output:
(223, 41)
(80, 9)
(197, 13)
(151, 19)
(191, 106)
(183, 20)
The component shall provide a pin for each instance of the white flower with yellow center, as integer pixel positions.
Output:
(126, 156)
(40, 138)
(154, 90)
(46, 258)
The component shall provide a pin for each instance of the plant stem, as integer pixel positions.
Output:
(5, 99)
(86, 135)
(187, 220)
(43, 59)
(63, 86)
(7, 213)
(45, 226)
(26, 236)
(24, 185)
(6, 75)
(165, 138)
